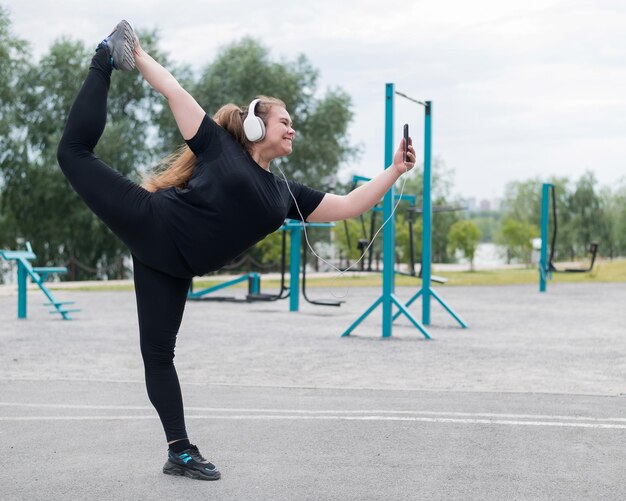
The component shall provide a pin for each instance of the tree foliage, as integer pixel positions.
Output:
(245, 69)
(36, 201)
(517, 237)
(446, 207)
(585, 214)
(464, 236)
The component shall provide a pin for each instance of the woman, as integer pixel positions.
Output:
(216, 198)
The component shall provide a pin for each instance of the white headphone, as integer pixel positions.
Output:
(253, 126)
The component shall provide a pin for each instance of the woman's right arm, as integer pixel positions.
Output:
(187, 112)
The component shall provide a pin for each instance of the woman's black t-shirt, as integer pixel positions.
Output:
(229, 204)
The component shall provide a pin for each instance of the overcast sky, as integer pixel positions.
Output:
(519, 89)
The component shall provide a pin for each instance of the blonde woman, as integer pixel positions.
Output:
(216, 198)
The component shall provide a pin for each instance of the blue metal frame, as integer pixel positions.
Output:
(252, 278)
(427, 219)
(388, 298)
(409, 198)
(426, 291)
(38, 276)
(544, 269)
(295, 229)
(295, 241)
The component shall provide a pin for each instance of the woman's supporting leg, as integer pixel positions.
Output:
(160, 304)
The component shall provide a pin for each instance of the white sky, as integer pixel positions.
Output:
(519, 89)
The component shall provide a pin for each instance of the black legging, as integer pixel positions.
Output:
(161, 278)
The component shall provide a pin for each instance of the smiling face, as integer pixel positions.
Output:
(279, 134)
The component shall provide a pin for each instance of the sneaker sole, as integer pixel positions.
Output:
(124, 56)
(179, 471)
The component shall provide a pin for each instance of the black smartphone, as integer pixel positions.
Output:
(406, 142)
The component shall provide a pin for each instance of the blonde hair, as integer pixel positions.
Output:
(177, 168)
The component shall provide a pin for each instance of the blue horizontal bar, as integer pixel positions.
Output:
(208, 290)
(11, 254)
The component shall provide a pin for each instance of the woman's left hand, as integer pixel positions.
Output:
(398, 158)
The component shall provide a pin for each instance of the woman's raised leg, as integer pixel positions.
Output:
(122, 205)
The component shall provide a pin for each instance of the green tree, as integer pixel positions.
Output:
(270, 250)
(522, 200)
(616, 214)
(517, 237)
(587, 216)
(13, 63)
(607, 227)
(245, 69)
(488, 223)
(464, 236)
(36, 197)
(403, 241)
(441, 195)
(522, 203)
(564, 247)
(347, 235)
(443, 220)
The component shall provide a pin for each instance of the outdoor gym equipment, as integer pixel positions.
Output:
(38, 276)
(253, 288)
(388, 298)
(295, 229)
(319, 302)
(546, 263)
(292, 291)
(364, 242)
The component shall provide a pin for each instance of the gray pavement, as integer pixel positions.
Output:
(528, 403)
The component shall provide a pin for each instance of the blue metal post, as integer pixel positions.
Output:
(254, 283)
(427, 213)
(295, 235)
(545, 214)
(389, 230)
(243, 278)
(22, 282)
(427, 218)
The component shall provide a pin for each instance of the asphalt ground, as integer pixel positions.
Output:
(527, 403)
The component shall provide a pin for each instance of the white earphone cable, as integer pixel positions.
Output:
(342, 272)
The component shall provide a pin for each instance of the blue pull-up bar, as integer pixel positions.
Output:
(388, 298)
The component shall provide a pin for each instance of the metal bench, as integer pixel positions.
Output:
(38, 275)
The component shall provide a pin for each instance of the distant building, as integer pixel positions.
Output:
(470, 203)
(484, 205)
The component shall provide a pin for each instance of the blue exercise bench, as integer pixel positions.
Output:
(38, 276)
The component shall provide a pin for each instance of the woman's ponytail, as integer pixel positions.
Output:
(177, 169)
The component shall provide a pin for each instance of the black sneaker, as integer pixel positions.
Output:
(190, 463)
(120, 45)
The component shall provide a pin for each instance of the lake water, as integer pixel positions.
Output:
(488, 256)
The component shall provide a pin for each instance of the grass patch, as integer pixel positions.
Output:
(603, 271)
